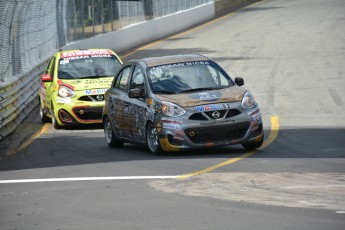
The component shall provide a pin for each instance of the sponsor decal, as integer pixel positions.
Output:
(217, 122)
(64, 61)
(159, 127)
(209, 144)
(206, 96)
(254, 125)
(98, 81)
(255, 114)
(101, 55)
(197, 63)
(149, 101)
(84, 53)
(179, 135)
(60, 100)
(171, 126)
(180, 64)
(95, 91)
(168, 120)
(211, 107)
(158, 70)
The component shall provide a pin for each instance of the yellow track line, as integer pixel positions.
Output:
(30, 140)
(273, 135)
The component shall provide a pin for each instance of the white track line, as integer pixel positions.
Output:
(85, 179)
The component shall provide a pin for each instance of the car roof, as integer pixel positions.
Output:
(164, 60)
(76, 50)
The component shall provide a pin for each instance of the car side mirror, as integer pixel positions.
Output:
(136, 93)
(239, 81)
(46, 78)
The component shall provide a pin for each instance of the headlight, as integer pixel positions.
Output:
(248, 101)
(171, 110)
(65, 91)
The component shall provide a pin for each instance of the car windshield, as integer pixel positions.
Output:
(88, 66)
(187, 77)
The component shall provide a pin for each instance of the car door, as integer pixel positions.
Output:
(117, 103)
(135, 108)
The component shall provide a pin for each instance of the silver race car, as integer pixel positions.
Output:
(180, 102)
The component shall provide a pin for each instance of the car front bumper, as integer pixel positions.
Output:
(198, 129)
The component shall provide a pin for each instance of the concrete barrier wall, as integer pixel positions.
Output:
(136, 35)
(222, 7)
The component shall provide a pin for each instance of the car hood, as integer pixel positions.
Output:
(94, 83)
(231, 94)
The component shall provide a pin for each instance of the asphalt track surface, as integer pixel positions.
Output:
(291, 55)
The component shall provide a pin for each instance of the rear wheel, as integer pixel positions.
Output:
(110, 137)
(152, 139)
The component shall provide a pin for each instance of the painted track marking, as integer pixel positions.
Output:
(273, 135)
(85, 179)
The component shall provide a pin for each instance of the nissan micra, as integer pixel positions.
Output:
(73, 86)
(180, 102)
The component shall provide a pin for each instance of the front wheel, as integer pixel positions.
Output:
(54, 121)
(110, 137)
(254, 145)
(152, 139)
(43, 116)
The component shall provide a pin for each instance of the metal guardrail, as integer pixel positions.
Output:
(18, 98)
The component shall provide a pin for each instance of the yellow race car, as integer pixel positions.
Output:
(73, 86)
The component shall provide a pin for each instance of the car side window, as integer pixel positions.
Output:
(137, 80)
(122, 79)
(218, 77)
(51, 65)
(52, 69)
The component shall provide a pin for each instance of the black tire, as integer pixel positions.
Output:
(54, 121)
(152, 139)
(43, 116)
(254, 145)
(110, 138)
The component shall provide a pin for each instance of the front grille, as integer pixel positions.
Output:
(88, 113)
(198, 117)
(231, 132)
(99, 97)
(227, 113)
(232, 113)
(220, 114)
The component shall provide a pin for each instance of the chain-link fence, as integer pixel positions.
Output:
(87, 18)
(33, 29)
(28, 34)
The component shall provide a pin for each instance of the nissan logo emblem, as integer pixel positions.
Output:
(216, 114)
(100, 97)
